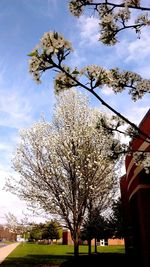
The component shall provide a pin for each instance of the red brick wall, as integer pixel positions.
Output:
(135, 191)
(6, 234)
(67, 240)
(115, 242)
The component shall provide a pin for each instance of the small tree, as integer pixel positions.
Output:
(95, 227)
(36, 232)
(52, 230)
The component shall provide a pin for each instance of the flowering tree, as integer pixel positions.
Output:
(12, 222)
(17, 226)
(64, 163)
(53, 50)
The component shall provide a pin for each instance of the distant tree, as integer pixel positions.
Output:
(12, 222)
(116, 222)
(64, 163)
(36, 232)
(20, 227)
(95, 227)
(52, 230)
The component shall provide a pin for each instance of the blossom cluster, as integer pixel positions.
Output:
(135, 3)
(108, 25)
(52, 42)
(142, 159)
(120, 80)
(63, 81)
(143, 19)
(122, 15)
(98, 77)
(112, 22)
(52, 46)
(76, 6)
(132, 132)
(95, 74)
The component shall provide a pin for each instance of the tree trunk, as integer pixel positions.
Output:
(89, 246)
(76, 247)
(95, 245)
(75, 237)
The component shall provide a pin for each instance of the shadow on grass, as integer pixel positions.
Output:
(95, 260)
(101, 259)
(72, 254)
(35, 260)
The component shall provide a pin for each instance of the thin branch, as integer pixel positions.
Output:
(128, 27)
(102, 101)
(117, 6)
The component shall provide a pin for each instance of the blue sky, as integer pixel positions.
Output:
(22, 23)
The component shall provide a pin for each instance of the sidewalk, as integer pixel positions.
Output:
(5, 251)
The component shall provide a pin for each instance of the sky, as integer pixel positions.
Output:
(22, 101)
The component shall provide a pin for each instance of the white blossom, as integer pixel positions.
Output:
(76, 6)
(132, 3)
(142, 159)
(108, 26)
(52, 47)
(143, 18)
(63, 81)
(123, 15)
(52, 42)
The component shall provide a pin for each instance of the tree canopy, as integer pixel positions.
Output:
(45, 231)
(52, 230)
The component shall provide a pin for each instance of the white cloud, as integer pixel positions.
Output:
(144, 70)
(4, 146)
(14, 108)
(9, 202)
(135, 51)
(107, 90)
(77, 59)
(21, 103)
(139, 49)
(3, 174)
(136, 114)
(88, 27)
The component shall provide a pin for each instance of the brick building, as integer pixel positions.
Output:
(67, 240)
(135, 191)
(6, 234)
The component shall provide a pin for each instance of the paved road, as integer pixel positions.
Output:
(5, 251)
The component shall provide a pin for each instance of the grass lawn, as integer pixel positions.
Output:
(29, 255)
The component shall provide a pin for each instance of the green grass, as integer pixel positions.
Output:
(29, 255)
